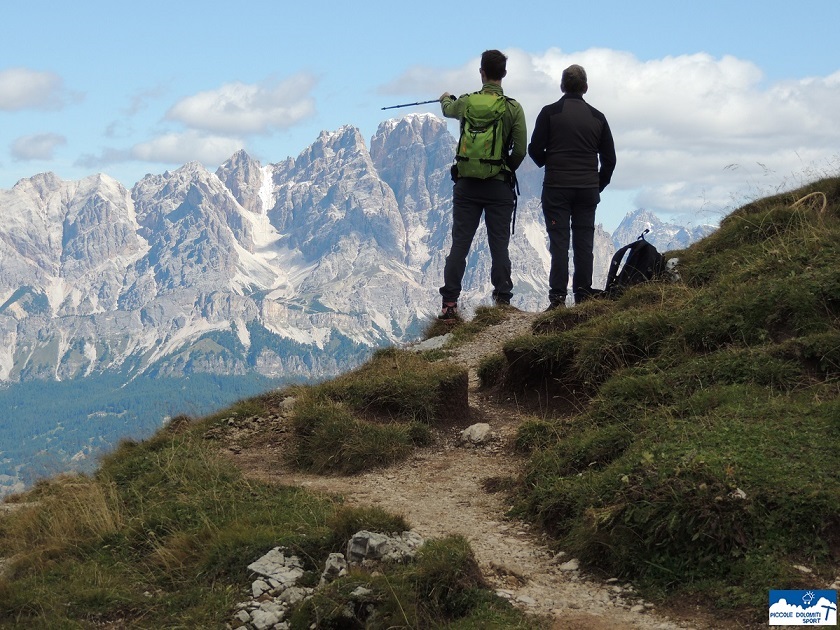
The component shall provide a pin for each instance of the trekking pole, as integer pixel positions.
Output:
(434, 100)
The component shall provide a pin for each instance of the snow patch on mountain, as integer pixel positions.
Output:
(266, 193)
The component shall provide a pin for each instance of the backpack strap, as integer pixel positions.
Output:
(514, 186)
(506, 152)
(615, 263)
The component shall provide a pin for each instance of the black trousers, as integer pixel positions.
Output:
(471, 198)
(564, 208)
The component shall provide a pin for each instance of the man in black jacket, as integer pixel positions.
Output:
(570, 139)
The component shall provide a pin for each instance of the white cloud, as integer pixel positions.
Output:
(141, 99)
(178, 148)
(170, 148)
(693, 132)
(36, 147)
(107, 157)
(21, 88)
(241, 108)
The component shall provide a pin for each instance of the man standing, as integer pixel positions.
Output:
(491, 147)
(570, 137)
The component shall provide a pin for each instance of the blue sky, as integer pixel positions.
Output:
(711, 103)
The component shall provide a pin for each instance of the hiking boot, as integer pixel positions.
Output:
(449, 312)
(553, 306)
(582, 294)
(501, 299)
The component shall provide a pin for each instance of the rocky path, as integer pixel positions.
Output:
(447, 489)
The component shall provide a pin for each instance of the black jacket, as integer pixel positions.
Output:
(570, 136)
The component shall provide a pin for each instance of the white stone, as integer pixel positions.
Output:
(334, 567)
(263, 620)
(737, 493)
(294, 594)
(476, 434)
(258, 587)
(433, 343)
(360, 592)
(672, 269)
(571, 565)
(365, 545)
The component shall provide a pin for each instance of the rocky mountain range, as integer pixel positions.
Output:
(207, 286)
(292, 268)
(665, 236)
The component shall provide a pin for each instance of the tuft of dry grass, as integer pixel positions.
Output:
(68, 512)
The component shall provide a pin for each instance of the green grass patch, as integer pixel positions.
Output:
(159, 537)
(702, 459)
(563, 319)
(491, 370)
(463, 330)
(702, 499)
(162, 535)
(443, 588)
(402, 385)
(330, 438)
(376, 415)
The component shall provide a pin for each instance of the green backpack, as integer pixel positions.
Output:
(481, 148)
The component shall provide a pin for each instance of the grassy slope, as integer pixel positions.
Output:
(691, 446)
(694, 443)
(161, 535)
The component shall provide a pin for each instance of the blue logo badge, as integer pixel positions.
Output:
(803, 608)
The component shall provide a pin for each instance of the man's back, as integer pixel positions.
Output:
(569, 136)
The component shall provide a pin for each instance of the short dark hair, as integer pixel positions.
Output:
(573, 80)
(494, 64)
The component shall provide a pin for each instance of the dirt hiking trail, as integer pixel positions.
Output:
(448, 489)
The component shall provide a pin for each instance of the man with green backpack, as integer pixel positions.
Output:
(491, 146)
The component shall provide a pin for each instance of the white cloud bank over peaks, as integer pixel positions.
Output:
(215, 124)
(22, 88)
(37, 146)
(240, 108)
(694, 134)
(179, 148)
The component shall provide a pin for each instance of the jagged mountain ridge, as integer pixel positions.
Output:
(665, 236)
(296, 268)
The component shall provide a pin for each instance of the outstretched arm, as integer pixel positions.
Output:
(450, 106)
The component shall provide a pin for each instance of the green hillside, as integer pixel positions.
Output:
(684, 437)
(689, 432)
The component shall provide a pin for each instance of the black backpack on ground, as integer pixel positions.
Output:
(643, 263)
